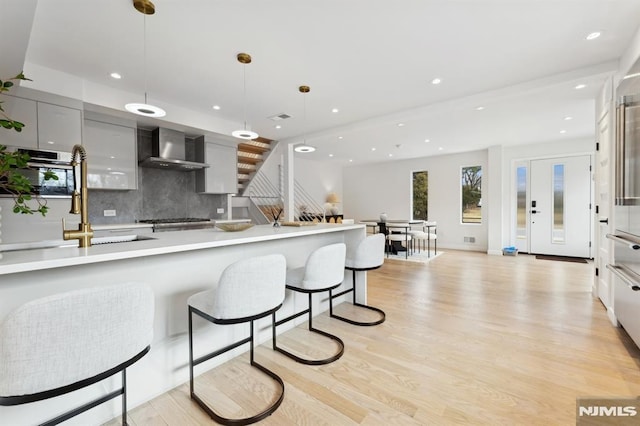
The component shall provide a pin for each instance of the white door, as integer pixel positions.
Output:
(604, 184)
(560, 206)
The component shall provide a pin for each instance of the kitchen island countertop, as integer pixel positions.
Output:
(160, 243)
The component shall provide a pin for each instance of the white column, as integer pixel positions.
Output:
(496, 201)
(288, 188)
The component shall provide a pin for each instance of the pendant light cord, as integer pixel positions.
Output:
(304, 111)
(244, 90)
(144, 55)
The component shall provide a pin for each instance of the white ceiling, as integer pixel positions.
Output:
(372, 59)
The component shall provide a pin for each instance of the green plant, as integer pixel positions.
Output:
(12, 180)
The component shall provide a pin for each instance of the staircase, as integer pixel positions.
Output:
(250, 154)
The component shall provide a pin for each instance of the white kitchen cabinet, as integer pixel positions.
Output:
(111, 152)
(221, 176)
(26, 112)
(59, 127)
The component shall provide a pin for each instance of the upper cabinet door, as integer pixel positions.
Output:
(111, 156)
(221, 176)
(24, 111)
(59, 128)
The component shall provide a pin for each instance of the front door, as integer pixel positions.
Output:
(560, 206)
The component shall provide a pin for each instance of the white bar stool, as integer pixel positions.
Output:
(248, 290)
(65, 342)
(368, 255)
(324, 271)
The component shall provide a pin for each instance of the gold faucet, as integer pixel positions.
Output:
(79, 202)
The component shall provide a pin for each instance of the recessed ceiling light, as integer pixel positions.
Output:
(563, 131)
(112, 157)
(330, 155)
(568, 117)
(373, 149)
(427, 140)
(350, 160)
(216, 107)
(480, 108)
(580, 86)
(116, 75)
(400, 124)
(278, 126)
(335, 110)
(594, 35)
(390, 155)
(339, 137)
(436, 81)
(440, 148)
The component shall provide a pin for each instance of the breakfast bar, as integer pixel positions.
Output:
(175, 265)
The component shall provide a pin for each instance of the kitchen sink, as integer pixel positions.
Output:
(73, 243)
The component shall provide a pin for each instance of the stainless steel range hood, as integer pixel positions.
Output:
(168, 151)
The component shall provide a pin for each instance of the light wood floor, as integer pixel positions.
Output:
(469, 339)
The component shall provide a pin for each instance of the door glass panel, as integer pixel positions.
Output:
(521, 203)
(558, 231)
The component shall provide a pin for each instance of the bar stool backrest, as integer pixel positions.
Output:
(250, 286)
(68, 337)
(369, 253)
(325, 267)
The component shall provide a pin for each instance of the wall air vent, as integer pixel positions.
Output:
(279, 117)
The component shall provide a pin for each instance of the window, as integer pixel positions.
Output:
(420, 195)
(472, 194)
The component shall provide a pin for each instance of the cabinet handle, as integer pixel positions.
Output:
(606, 220)
(621, 273)
(633, 245)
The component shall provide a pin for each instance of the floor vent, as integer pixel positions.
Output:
(469, 239)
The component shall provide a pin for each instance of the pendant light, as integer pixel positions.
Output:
(244, 59)
(145, 7)
(304, 148)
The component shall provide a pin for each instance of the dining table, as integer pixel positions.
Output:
(389, 225)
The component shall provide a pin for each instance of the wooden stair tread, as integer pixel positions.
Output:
(253, 149)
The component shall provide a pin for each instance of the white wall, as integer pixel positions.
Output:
(386, 187)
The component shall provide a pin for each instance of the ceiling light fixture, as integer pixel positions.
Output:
(568, 117)
(330, 155)
(335, 110)
(277, 126)
(427, 140)
(436, 81)
(145, 7)
(400, 124)
(563, 132)
(304, 147)
(580, 86)
(480, 108)
(594, 35)
(115, 75)
(340, 137)
(373, 149)
(216, 107)
(244, 59)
